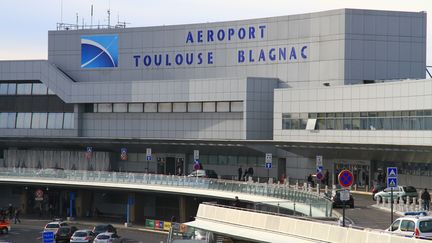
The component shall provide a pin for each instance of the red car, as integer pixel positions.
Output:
(4, 226)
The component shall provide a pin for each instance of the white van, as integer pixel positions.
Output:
(413, 224)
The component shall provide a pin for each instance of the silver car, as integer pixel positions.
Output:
(107, 237)
(82, 236)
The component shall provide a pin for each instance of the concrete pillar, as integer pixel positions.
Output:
(183, 214)
(132, 209)
(23, 201)
(83, 203)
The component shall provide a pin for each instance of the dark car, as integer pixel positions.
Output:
(334, 196)
(101, 228)
(377, 188)
(203, 173)
(64, 233)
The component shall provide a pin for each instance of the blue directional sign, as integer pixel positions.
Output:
(48, 237)
(268, 165)
(391, 172)
(148, 158)
(392, 183)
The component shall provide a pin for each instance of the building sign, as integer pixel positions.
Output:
(223, 35)
(123, 154)
(99, 51)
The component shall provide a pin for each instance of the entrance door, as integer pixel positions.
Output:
(170, 166)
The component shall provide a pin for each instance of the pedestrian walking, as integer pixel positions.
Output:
(310, 181)
(17, 215)
(425, 196)
(240, 172)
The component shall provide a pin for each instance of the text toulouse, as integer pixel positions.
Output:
(207, 57)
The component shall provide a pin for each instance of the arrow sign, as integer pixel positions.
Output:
(391, 172)
(392, 183)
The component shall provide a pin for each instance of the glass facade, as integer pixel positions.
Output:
(382, 120)
(24, 89)
(37, 120)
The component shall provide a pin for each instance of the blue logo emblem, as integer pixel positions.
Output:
(99, 51)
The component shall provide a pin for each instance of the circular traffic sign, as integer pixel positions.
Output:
(319, 176)
(346, 178)
(39, 193)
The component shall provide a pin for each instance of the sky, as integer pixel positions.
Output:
(25, 23)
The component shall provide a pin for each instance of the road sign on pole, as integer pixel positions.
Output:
(268, 165)
(196, 154)
(268, 158)
(48, 237)
(148, 154)
(346, 178)
(319, 160)
(391, 172)
(392, 183)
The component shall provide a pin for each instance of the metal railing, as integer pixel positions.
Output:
(279, 195)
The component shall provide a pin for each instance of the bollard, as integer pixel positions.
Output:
(395, 204)
(377, 202)
(296, 185)
(304, 186)
(326, 189)
(355, 187)
(318, 188)
(420, 205)
(367, 188)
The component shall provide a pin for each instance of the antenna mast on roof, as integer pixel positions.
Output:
(91, 16)
(109, 14)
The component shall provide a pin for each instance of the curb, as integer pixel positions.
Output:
(361, 193)
(388, 210)
(119, 226)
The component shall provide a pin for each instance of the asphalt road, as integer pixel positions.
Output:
(30, 231)
(364, 215)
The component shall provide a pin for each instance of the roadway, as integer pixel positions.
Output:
(30, 230)
(364, 215)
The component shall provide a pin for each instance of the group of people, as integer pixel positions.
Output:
(247, 173)
(324, 180)
(10, 213)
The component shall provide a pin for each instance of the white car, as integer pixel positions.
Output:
(82, 236)
(54, 226)
(413, 225)
(107, 238)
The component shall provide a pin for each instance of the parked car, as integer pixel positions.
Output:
(82, 236)
(203, 173)
(64, 233)
(334, 196)
(377, 188)
(107, 237)
(102, 228)
(4, 226)
(414, 225)
(398, 193)
(54, 226)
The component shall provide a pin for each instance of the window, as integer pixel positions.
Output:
(39, 89)
(194, 107)
(11, 89)
(237, 106)
(3, 89)
(39, 120)
(104, 108)
(209, 106)
(395, 225)
(11, 120)
(55, 120)
(135, 107)
(425, 226)
(24, 89)
(150, 107)
(164, 107)
(120, 107)
(179, 107)
(23, 120)
(223, 107)
(3, 120)
(68, 121)
(407, 225)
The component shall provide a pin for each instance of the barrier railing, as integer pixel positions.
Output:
(283, 193)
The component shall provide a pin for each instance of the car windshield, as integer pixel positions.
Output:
(410, 189)
(101, 228)
(80, 234)
(64, 230)
(103, 237)
(426, 226)
(52, 226)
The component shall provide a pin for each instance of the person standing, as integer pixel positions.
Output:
(326, 177)
(240, 172)
(425, 196)
(17, 215)
(310, 181)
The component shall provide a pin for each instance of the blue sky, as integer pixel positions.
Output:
(25, 23)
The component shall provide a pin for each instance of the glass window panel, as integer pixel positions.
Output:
(209, 107)
(381, 114)
(414, 123)
(339, 114)
(68, 121)
(330, 114)
(24, 89)
(303, 123)
(321, 114)
(165, 107)
(50, 92)
(11, 89)
(286, 124)
(55, 120)
(397, 113)
(120, 107)
(232, 160)
(23, 120)
(412, 113)
(312, 115)
(372, 123)
(95, 107)
(355, 114)
(104, 108)
(222, 159)
(405, 123)
(39, 89)
(3, 120)
(295, 115)
(150, 107)
(11, 120)
(347, 124)
(213, 159)
(427, 112)
(195, 107)
(347, 114)
(419, 113)
(237, 106)
(428, 123)
(252, 160)
(39, 120)
(138, 107)
(179, 107)
(397, 123)
(338, 124)
(3, 89)
(379, 125)
(223, 107)
(364, 124)
(387, 124)
(405, 113)
(321, 124)
(330, 124)
(363, 114)
(286, 116)
(356, 123)
(295, 124)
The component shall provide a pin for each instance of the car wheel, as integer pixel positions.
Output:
(373, 197)
(5, 230)
(379, 199)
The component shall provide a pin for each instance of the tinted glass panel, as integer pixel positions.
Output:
(39, 120)
(39, 89)
(55, 120)
(68, 121)
(23, 120)
(3, 89)
(135, 107)
(426, 226)
(11, 120)
(24, 89)
(11, 89)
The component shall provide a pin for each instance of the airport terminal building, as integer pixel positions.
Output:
(346, 84)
